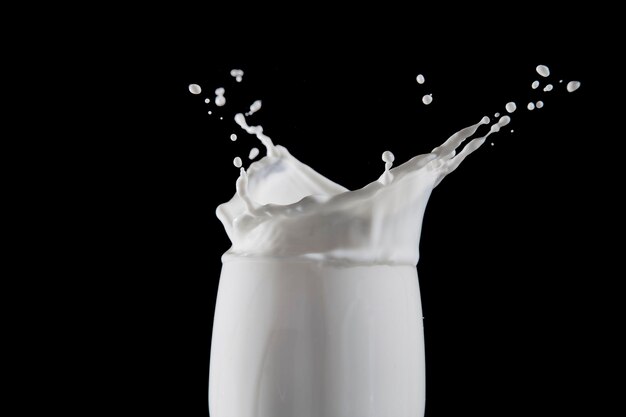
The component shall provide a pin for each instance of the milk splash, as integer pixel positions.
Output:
(284, 209)
(319, 303)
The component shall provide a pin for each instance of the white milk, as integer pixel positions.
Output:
(511, 106)
(254, 152)
(573, 86)
(220, 100)
(427, 99)
(319, 311)
(420, 79)
(238, 74)
(254, 107)
(543, 70)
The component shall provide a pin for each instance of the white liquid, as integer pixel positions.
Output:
(531, 106)
(210, 112)
(233, 137)
(238, 74)
(496, 115)
(539, 104)
(309, 339)
(319, 311)
(512, 131)
(573, 86)
(427, 99)
(387, 176)
(220, 100)
(195, 89)
(543, 70)
(255, 107)
(510, 106)
(207, 100)
(258, 132)
(560, 81)
(535, 84)
(548, 88)
(254, 152)
(281, 206)
(420, 79)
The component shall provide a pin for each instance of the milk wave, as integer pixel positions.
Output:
(285, 209)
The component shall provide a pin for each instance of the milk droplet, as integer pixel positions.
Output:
(510, 106)
(539, 104)
(560, 81)
(496, 115)
(195, 89)
(512, 130)
(491, 143)
(254, 152)
(221, 118)
(531, 106)
(387, 176)
(543, 70)
(237, 162)
(233, 137)
(535, 84)
(237, 73)
(220, 100)
(427, 99)
(573, 86)
(420, 79)
(207, 100)
(210, 112)
(548, 87)
(388, 157)
(255, 107)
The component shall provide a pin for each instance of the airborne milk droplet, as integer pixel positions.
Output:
(420, 79)
(220, 100)
(233, 137)
(543, 70)
(510, 106)
(195, 89)
(388, 157)
(573, 86)
(254, 152)
(387, 176)
(238, 74)
(237, 162)
(535, 84)
(496, 115)
(207, 100)
(539, 104)
(255, 107)
(427, 99)
(548, 88)
(531, 106)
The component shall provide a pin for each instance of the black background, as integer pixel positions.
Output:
(510, 274)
